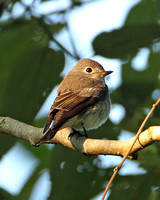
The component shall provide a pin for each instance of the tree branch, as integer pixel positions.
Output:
(85, 145)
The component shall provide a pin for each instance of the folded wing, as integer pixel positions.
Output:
(70, 104)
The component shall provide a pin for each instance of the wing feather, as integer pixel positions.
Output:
(68, 105)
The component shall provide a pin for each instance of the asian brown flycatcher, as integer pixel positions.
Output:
(83, 100)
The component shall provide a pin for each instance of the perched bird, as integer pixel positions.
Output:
(83, 100)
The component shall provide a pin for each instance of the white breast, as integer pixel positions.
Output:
(92, 117)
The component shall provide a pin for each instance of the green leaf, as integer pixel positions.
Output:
(43, 156)
(77, 176)
(150, 10)
(5, 146)
(5, 195)
(126, 41)
(29, 71)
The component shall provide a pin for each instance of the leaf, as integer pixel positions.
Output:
(5, 146)
(125, 42)
(75, 175)
(29, 71)
(43, 155)
(5, 195)
(135, 92)
(150, 10)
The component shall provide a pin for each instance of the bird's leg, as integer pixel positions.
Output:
(73, 133)
(85, 132)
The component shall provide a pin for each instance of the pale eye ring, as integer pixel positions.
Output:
(88, 69)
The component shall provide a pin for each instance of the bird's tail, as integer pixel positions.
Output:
(47, 137)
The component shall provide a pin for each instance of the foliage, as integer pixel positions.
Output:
(30, 68)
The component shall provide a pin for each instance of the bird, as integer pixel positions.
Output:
(82, 102)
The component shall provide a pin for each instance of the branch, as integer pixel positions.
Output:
(85, 145)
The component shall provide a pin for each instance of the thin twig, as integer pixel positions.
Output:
(71, 40)
(116, 169)
(50, 35)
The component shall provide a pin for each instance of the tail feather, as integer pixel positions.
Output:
(48, 122)
(48, 136)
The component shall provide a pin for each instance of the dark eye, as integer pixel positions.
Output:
(88, 69)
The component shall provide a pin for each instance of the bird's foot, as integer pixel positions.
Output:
(74, 133)
(85, 132)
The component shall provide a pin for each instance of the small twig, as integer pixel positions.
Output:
(116, 169)
(50, 35)
(71, 40)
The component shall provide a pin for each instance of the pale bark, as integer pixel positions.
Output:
(85, 145)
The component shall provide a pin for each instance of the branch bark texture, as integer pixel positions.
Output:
(85, 145)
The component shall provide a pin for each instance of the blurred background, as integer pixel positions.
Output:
(40, 41)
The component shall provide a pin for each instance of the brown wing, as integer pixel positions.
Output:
(62, 104)
(68, 105)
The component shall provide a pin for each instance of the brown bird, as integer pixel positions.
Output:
(83, 100)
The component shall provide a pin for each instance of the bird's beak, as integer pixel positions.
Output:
(105, 73)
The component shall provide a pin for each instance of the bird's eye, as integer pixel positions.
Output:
(88, 69)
